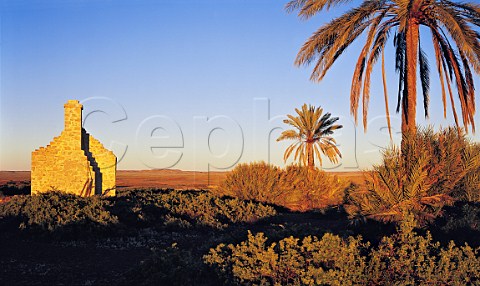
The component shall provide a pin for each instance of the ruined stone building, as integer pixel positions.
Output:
(74, 162)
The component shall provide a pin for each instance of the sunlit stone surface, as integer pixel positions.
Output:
(74, 162)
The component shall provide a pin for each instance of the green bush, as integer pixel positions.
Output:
(53, 210)
(409, 259)
(313, 261)
(296, 187)
(187, 208)
(431, 170)
(404, 258)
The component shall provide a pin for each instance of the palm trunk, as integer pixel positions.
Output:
(409, 100)
(310, 159)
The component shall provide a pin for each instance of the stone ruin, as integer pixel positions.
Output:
(74, 162)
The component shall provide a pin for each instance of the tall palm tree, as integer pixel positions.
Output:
(311, 135)
(448, 22)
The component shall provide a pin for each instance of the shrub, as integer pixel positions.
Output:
(463, 216)
(187, 208)
(404, 258)
(409, 259)
(53, 210)
(311, 261)
(296, 187)
(311, 189)
(425, 175)
(15, 188)
(461, 222)
(254, 181)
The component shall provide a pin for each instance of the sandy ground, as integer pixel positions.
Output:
(175, 179)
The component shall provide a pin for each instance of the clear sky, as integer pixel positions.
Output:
(196, 80)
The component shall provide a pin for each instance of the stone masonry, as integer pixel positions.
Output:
(74, 162)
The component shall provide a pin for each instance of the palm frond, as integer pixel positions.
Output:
(377, 47)
(400, 47)
(289, 135)
(439, 62)
(385, 93)
(424, 78)
(465, 38)
(332, 39)
(308, 8)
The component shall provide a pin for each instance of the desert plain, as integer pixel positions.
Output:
(167, 178)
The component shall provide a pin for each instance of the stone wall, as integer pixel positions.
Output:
(74, 162)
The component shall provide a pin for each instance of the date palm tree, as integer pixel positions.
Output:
(311, 135)
(455, 41)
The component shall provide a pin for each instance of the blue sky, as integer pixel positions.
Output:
(199, 76)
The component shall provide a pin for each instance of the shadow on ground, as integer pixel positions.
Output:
(158, 237)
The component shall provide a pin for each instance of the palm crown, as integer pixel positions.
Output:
(447, 21)
(311, 135)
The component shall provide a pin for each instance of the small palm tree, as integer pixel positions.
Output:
(430, 171)
(311, 135)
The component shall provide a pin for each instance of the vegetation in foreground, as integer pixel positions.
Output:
(404, 258)
(57, 211)
(198, 238)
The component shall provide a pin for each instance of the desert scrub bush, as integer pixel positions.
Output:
(461, 222)
(421, 178)
(308, 189)
(407, 258)
(404, 258)
(463, 216)
(254, 181)
(296, 187)
(53, 210)
(15, 188)
(191, 208)
(291, 261)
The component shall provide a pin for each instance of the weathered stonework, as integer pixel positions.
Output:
(74, 162)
